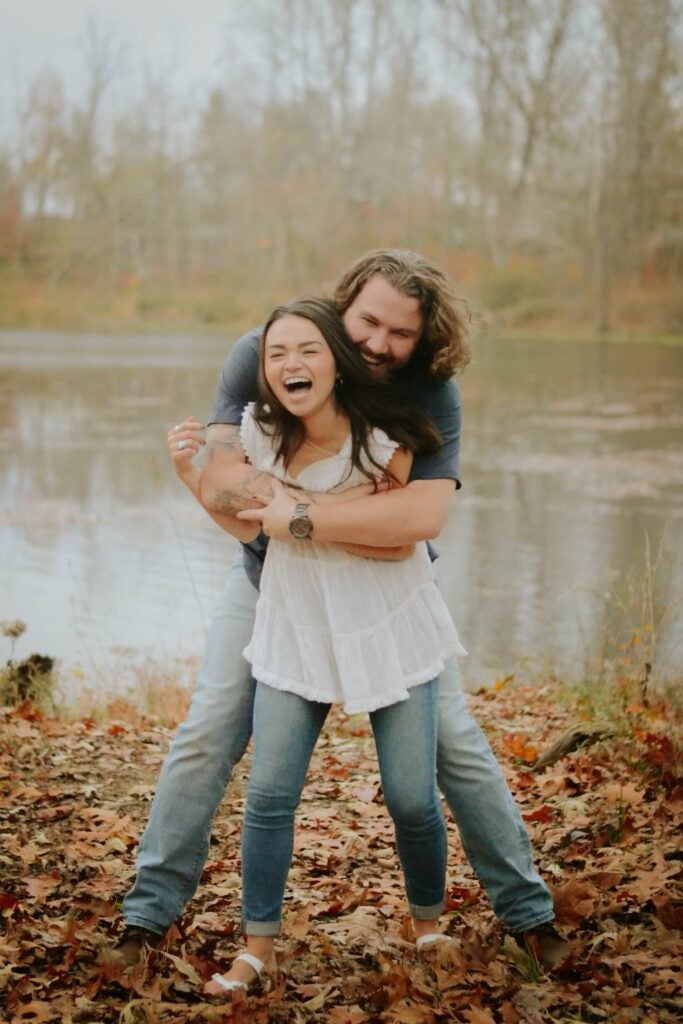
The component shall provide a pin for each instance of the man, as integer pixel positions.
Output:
(411, 329)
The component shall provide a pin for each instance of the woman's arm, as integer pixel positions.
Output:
(189, 435)
(227, 482)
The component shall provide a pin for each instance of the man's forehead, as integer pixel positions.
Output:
(380, 298)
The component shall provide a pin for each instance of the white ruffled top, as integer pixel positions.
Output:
(336, 628)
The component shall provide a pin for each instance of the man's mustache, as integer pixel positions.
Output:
(372, 357)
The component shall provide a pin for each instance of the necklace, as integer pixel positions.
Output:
(317, 447)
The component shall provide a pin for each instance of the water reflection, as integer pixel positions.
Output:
(572, 457)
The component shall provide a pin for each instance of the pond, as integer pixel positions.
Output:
(573, 483)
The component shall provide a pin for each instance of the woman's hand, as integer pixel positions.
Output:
(182, 444)
(276, 513)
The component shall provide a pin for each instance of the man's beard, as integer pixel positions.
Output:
(381, 365)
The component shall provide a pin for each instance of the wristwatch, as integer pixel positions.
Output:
(300, 525)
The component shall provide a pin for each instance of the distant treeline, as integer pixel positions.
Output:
(532, 147)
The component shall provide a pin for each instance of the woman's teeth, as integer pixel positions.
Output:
(297, 384)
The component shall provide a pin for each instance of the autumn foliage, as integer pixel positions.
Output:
(605, 822)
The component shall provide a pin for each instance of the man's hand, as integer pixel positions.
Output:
(275, 514)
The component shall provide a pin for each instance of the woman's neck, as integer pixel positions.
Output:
(327, 429)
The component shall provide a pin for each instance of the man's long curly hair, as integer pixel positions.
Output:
(443, 347)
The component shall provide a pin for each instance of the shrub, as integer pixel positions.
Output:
(31, 679)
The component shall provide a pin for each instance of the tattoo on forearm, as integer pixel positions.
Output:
(230, 503)
(241, 495)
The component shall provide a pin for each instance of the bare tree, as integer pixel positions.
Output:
(541, 133)
(41, 146)
(513, 48)
(641, 68)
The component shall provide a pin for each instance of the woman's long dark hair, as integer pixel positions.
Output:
(365, 400)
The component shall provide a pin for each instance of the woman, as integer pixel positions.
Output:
(333, 627)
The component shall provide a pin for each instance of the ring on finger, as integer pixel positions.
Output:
(180, 445)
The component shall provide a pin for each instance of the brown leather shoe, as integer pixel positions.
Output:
(544, 945)
(134, 945)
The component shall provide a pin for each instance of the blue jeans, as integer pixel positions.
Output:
(286, 728)
(215, 735)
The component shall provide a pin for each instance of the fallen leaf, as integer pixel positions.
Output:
(320, 998)
(37, 1011)
(41, 886)
(346, 1015)
(543, 814)
(574, 902)
(669, 911)
(187, 970)
(478, 1016)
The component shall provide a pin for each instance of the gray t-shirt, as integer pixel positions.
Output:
(440, 402)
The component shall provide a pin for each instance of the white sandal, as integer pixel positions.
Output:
(430, 940)
(231, 986)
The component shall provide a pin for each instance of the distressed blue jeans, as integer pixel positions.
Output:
(286, 728)
(215, 735)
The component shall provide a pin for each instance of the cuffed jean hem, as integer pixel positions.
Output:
(529, 927)
(426, 913)
(264, 928)
(132, 921)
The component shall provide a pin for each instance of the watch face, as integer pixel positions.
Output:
(300, 526)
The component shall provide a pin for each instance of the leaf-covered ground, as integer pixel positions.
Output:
(605, 822)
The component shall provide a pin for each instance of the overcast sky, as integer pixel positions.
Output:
(187, 35)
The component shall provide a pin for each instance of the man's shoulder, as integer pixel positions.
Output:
(237, 380)
(432, 394)
(245, 350)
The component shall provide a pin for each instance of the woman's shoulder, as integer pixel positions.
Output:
(256, 443)
(248, 425)
(381, 446)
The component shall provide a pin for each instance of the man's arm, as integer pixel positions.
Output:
(228, 485)
(397, 517)
(400, 516)
(398, 472)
